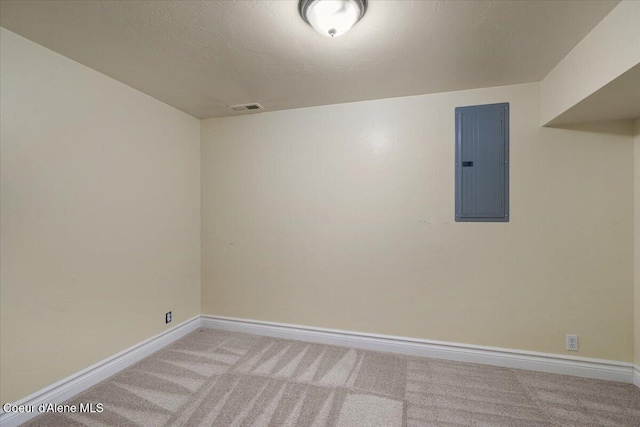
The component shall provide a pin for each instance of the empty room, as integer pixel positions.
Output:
(316, 213)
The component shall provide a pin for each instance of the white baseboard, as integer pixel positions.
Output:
(82, 380)
(520, 359)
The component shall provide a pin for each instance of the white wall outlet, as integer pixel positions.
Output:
(572, 342)
(167, 318)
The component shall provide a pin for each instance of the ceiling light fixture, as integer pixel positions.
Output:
(332, 18)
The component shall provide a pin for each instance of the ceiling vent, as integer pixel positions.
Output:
(246, 107)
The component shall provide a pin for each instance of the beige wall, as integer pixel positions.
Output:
(338, 216)
(100, 216)
(608, 51)
(636, 253)
(343, 217)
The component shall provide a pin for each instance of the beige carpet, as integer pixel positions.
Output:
(216, 378)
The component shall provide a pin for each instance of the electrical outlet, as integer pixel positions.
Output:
(572, 342)
(167, 318)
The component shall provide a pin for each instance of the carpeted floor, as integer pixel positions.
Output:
(217, 378)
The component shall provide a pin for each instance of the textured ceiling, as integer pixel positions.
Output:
(201, 56)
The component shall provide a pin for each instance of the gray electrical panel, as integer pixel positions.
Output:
(482, 163)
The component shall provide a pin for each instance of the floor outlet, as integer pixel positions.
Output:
(572, 342)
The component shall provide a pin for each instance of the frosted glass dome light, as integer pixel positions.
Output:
(332, 18)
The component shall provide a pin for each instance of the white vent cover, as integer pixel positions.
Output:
(246, 107)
